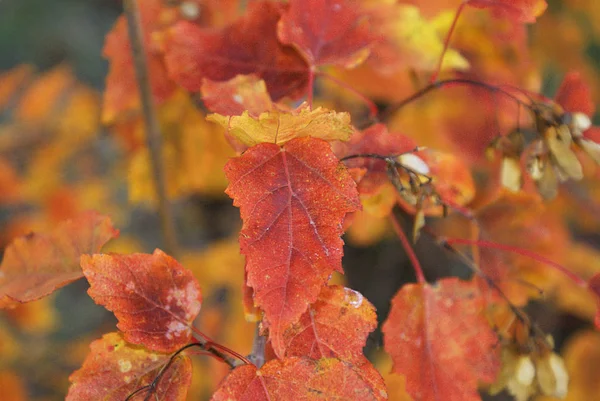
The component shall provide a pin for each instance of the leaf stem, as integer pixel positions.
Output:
(518, 312)
(387, 113)
(412, 256)
(219, 351)
(153, 134)
(459, 10)
(373, 110)
(523, 252)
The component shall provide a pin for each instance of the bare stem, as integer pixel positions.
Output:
(390, 110)
(153, 134)
(459, 10)
(257, 357)
(523, 252)
(218, 351)
(412, 256)
(370, 104)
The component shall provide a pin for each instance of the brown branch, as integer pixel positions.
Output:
(152, 127)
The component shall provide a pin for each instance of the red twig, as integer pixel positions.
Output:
(218, 351)
(436, 74)
(373, 111)
(409, 250)
(523, 252)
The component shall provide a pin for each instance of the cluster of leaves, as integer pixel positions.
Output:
(302, 174)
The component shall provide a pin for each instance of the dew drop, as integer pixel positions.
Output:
(354, 298)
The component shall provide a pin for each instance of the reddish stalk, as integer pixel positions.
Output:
(391, 109)
(436, 74)
(523, 252)
(412, 256)
(231, 352)
(218, 351)
(373, 111)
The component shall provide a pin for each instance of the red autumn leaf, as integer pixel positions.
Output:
(575, 95)
(594, 286)
(37, 264)
(326, 31)
(518, 10)
(440, 341)
(114, 369)
(249, 46)
(337, 325)
(121, 94)
(154, 298)
(293, 200)
(300, 379)
(239, 94)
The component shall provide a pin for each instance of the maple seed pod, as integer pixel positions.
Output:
(525, 371)
(591, 148)
(552, 375)
(510, 174)
(580, 123)
(559, 140)
(414, 162)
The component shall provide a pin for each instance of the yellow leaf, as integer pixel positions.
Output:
(411, 41)
(280, 127)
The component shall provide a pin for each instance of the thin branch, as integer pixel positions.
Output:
(152, 127)
(390, 110)
(518, 312)
(459, 10)
(221, 352)
(523, 252)
(412, 256)
(370, 104)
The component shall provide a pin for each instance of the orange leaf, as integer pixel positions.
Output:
(518, 10)
(438, 338)
(337, 325)
(301, 379)
(293, 200)
(12, 387)
(154, 298)
(326, 31)
(521, 220)
(239, 94)
(114, 369)
(37, 264)
(247, 46)
(451, 176)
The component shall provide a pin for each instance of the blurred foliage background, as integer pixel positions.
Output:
(41, 343)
